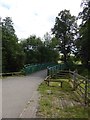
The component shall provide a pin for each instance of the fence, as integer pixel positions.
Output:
(55, 69)
(28, 69)
(81, 85)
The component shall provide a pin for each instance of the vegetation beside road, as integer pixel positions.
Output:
(57, 102)
(68, 38)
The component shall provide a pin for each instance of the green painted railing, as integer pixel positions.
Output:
(28, 69)
(55, 69)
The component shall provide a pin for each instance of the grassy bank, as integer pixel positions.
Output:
(57, 102)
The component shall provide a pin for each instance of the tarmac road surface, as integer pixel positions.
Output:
(17, 91)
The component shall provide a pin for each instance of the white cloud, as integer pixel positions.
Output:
(35, 16)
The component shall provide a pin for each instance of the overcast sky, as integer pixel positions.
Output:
(35, 16)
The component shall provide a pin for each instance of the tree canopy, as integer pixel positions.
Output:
(13, 56)
(83, 41)
(67, 38)
(37, 51)
(64, 30)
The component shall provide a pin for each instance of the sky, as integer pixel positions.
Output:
(36, 17)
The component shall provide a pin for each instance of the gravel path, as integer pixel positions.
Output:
(19, 95)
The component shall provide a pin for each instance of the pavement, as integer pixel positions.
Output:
(20, 95)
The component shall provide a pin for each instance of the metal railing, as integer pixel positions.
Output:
(28, 69)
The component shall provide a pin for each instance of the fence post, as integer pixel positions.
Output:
(74, 78)
(47, 71)
(86, 92)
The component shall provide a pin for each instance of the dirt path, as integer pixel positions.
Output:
(19, 95)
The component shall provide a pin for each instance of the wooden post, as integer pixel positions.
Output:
(61, 83)
(48, 82)
(51, 72)
(74, 78)
(86, 92)
(69, 75)
(47, 71)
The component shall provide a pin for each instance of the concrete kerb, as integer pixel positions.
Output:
(31, 107)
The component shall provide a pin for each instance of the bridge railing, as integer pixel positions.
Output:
(28, 69)
(55, 69)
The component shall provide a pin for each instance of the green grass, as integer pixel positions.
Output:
(50, 105)
(75, 112)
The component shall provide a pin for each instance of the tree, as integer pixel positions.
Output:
(54, 43)
(47, 39)
(65, 30)
(8, 24)
(12, 54)
(47, 55)
(30, 46)
(37, 52)
(83, 41)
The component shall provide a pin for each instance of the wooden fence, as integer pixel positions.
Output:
(81, 85)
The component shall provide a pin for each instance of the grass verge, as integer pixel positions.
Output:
(57, 102)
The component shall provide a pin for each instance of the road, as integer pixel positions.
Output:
(17, 91)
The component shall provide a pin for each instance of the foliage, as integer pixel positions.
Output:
(47, 55)
(83, 41)
(54, 43)
(47, 39)
(67, 39)
(58, 103)
(65, 30)
(30, 50)
(37, 52)
(12, 59)
(30, 46)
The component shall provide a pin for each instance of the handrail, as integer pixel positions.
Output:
(28, 69)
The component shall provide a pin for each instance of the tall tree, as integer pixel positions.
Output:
(12, 58)
(64, 30)
(83, 41)
(8, 24)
